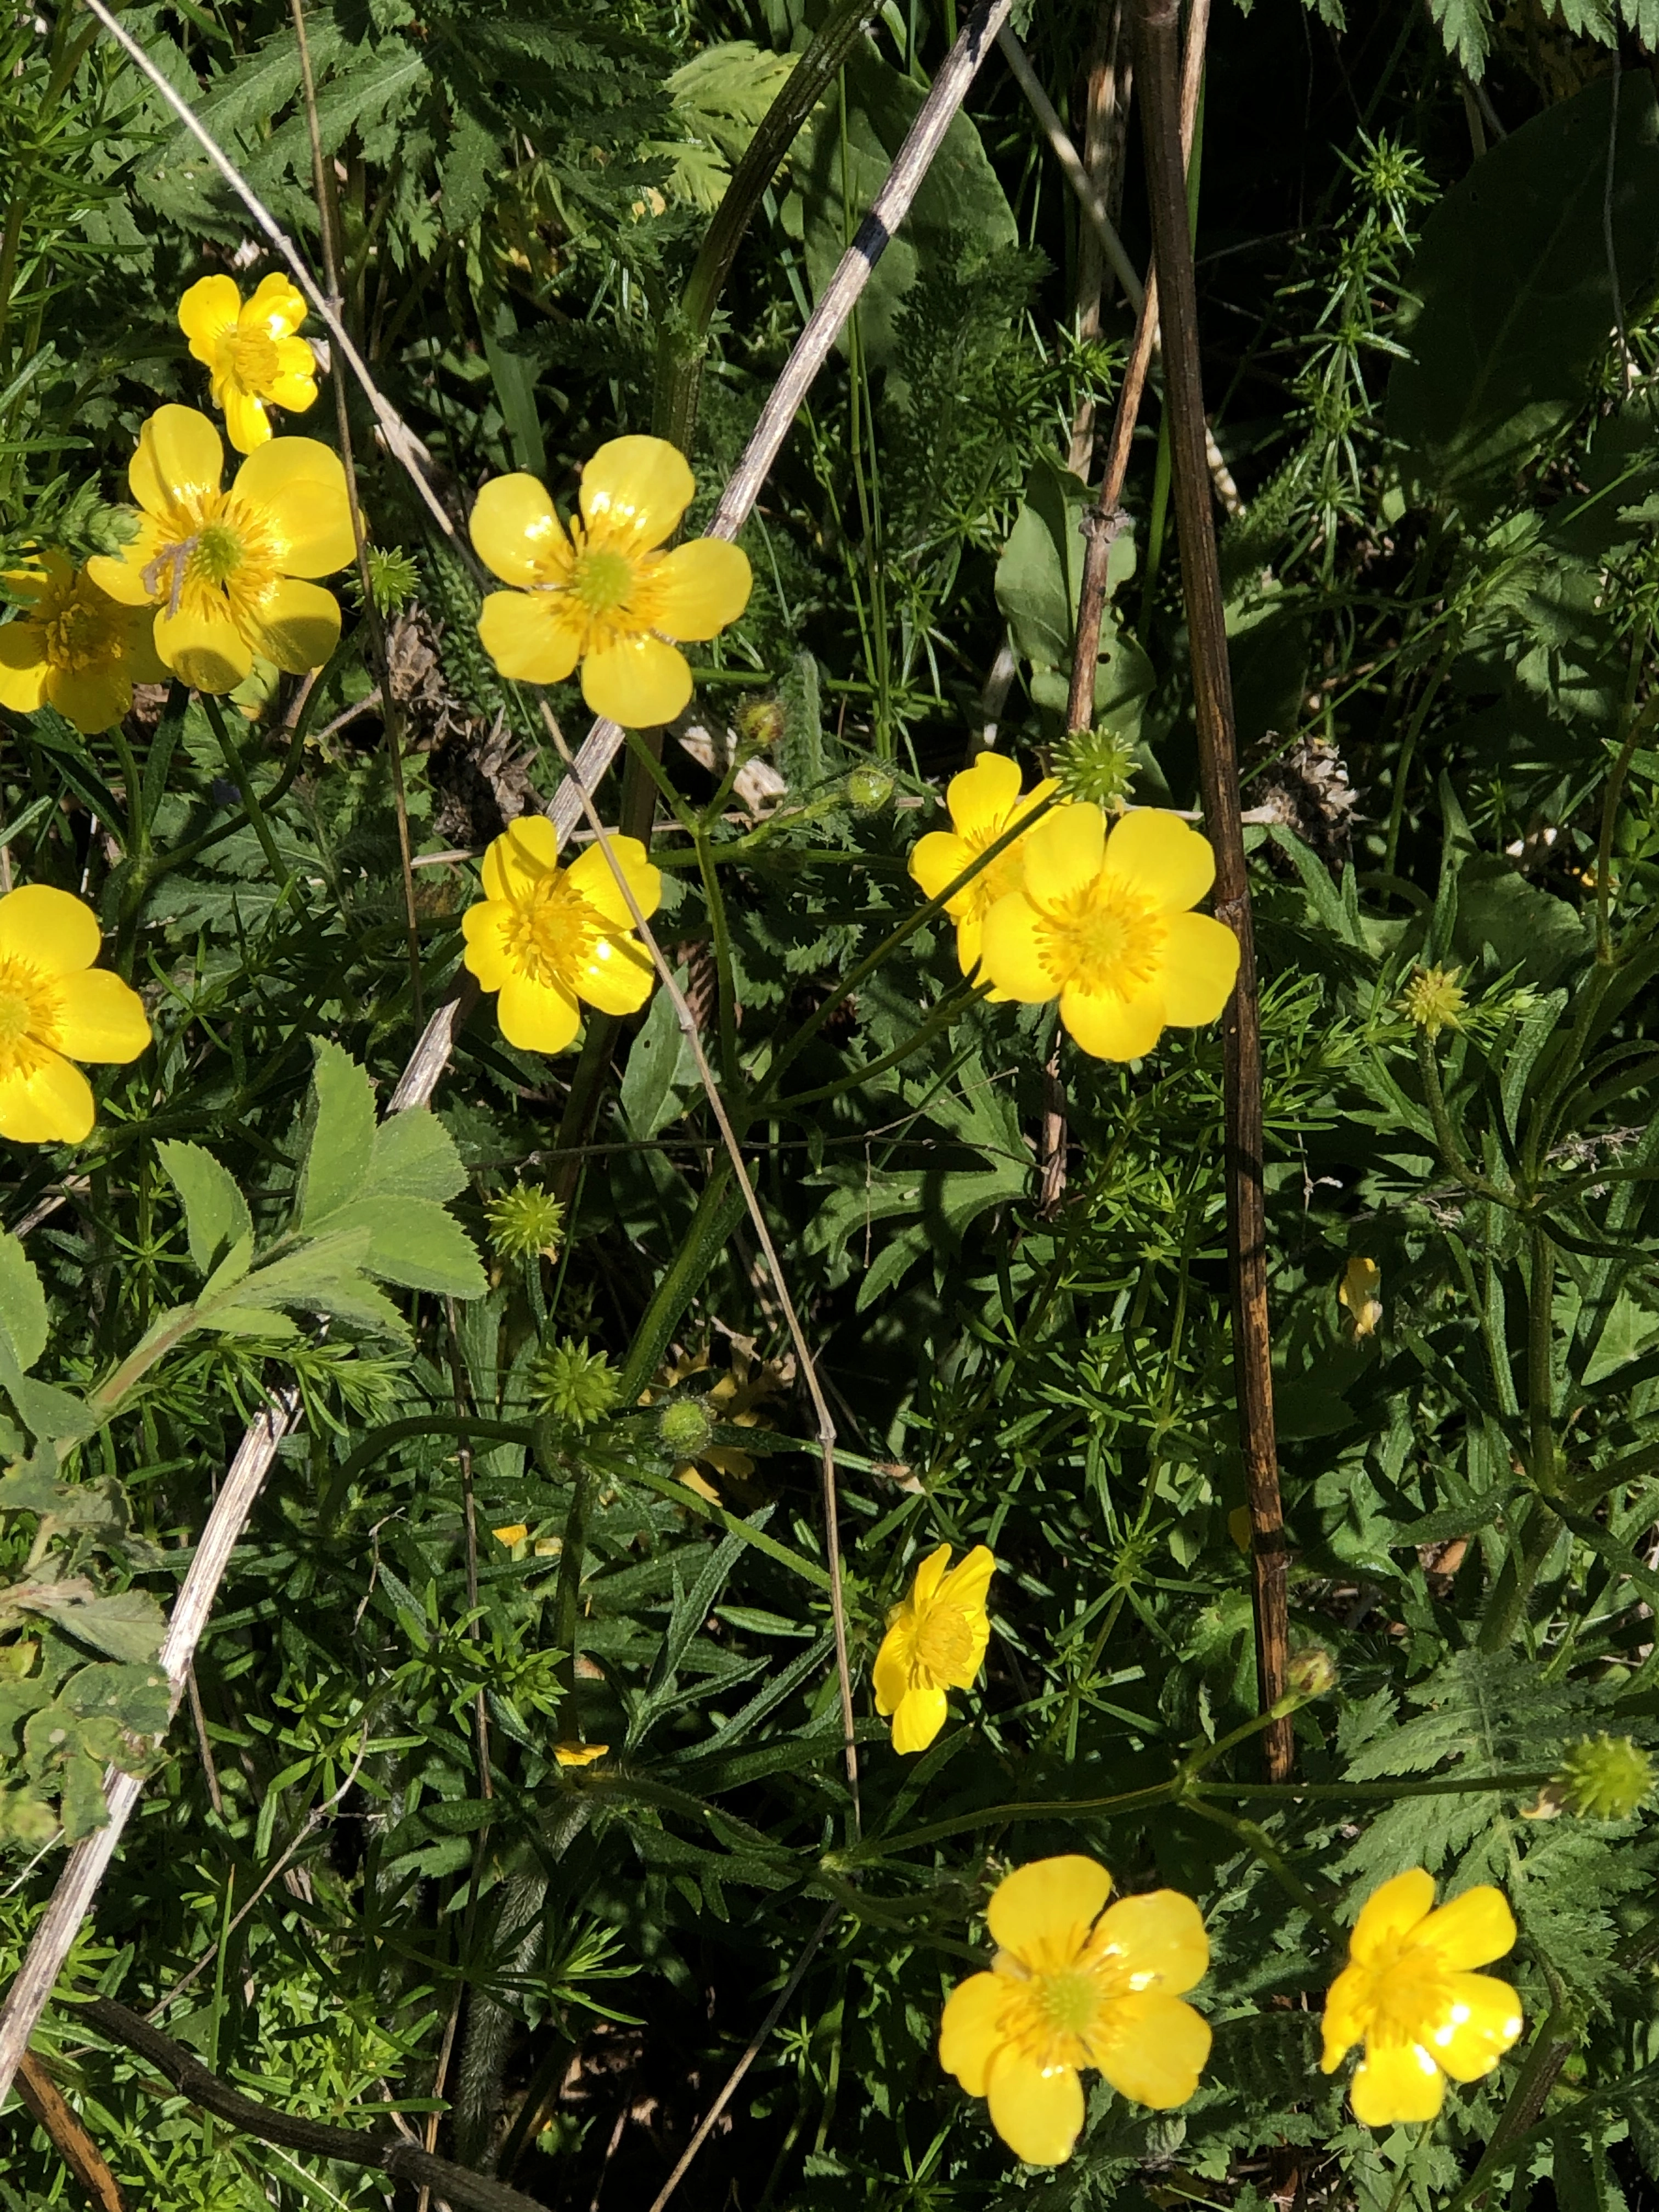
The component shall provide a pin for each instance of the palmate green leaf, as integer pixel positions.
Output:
(341, 1148)
(216, 1216)
(414, 1242)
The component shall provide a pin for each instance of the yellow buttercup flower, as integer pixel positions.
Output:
(1072, 1986)
(225, 571)
(1360, 1291)
(935, 1642)
(251, 353)
(605, 595)
(545, 937)
(1407, 1993)
(985, 802)
(1102, 924)
(579, 1754)
(55, 1007)
(73, 647)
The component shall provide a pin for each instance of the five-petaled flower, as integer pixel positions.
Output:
(1070, 1986)
(73, 647)
(55, 1007)
(251, 353)
(545, 937)
(1407, 1993)
(605, 595)
(935, 1641)
(985, 803)
(228, 572)
(1102, 924)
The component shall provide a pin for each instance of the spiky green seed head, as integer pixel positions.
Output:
(1434, 1000)
(573, 1383)
(393, 578)
(870, 787)
(524, 1221)
(1604, 1777)
(1097, 767)
(685, 1428)
(759, 724)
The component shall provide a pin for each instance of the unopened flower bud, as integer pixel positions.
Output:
(685, 1428)
(1358, 1290)
(870, 787)
(1434, 1000)
(1603, 1777)
(1310, 1673)
(759, 723)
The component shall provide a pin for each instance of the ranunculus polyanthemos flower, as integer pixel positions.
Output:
(605, 595)
(1407, 1994)
(1102, 924)
(73, 647)
(228, 572)
(55, 1007)
(545, 937)
(251, 354)
(935, 1642)
(1071, 1986)
(985, 802)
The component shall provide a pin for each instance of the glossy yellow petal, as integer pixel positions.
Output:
(520, 861)
(617, 975)
(23, 666)
(579, 1754)
(1470, 1930)
(699, 588)
(1042, 1912)
(297, 626)
(100, 1017)
(1159, 1939)
(892, 1668)
(1039, 2116)
(966, 1584)
(517, 534)
(591, 874)
(247, 426)
(52, 1106)
(140, 661)
(1163, 856)
(1157, 2050)
(537, 1017)
(207, 310)
(937, 859)
(1399, 2083)
(1111, 1028)
(981, 797)
(1390, 1912)
(970, 2031)
(640, 683)
(486, 929)
(300, 484)
(277, 306)
(181, 456)
(929, 1575)
(633, 492)
(918, 1718)
(1344, 2022)
(1064, 853)
(294, 385)
(1486, 2020)
(1013, 951)
(49, 928)
(532, 637)
(94, 698)
(122, 577)
(1199, 968)
(207, 652)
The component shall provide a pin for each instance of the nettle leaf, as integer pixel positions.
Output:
(22, 1304)
(216, 1216)
(342, 1146)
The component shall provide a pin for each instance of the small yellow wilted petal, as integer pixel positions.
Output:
(579, 1754)
(513, 1533)
(1360, 1291)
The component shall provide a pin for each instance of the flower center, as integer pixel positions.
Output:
(602, 580)
(1068, 2003)
(76, 635)
(944, 1643)
(250, 354)
(553, 932)
(1105, 937)
(30, 1003)
(224, 561)
(1409, 2002)
(218, 553)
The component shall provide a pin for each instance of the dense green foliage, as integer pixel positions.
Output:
(359, 1879)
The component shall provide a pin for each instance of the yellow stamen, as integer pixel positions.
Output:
(30, 1005)
(1107, 937)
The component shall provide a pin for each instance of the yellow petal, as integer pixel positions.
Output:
(633, 492)
(92, 698)
(49, 928)
(971, 954)
(207, 310)
(1470, 1930)
(918, 1718)
(520, 861)
(52, 1106)
(966, 1584)
(639, 682)
(1157, 2050)
(1111, 1028)
(297, 626)
(892, 1668)
(532, 637)
(1157, 1938)
(697, 589)
(928, 1576)
(517, 535)
(1199, 968)
(537, 1017)
(1390, 1912)
(579, 1754)
(1485, 2018)
(207, 652)
(1039, 2116)
(294, 385)
(1400, 2082)
(181, 456)
(1166, 859)
(1044, 1912)
(981, 797)
(487, 928)
(1343, 2024)
(121, 577)
(140, 661)
(1064, 853)
(101, 1019)
(247, 426)
(278, 306)
(617, 977)
(513, 1532)
(937, 859)
(1013, 952)
(970, 2029)
(300, 485)
(23, 666)
(591, 874)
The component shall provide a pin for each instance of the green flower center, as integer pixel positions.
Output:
(30, 1003)
(1068, 2003)
(603, 582)
(219, 553)
(1107, 937)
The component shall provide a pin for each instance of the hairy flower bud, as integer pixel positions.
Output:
(869, 788)
(1310, 1673)
(759, 723)
(685, 1428)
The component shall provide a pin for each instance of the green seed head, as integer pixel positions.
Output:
(1433, 999)
(1097, 767)
(573, 1383)
(685, 1428)
(1603, 1777)
(524, 1221)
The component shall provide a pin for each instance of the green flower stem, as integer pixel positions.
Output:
(1257, 1840)
(566, 1601)
(1450, 1150)
(718, 1209)
(244, 784)
(467, 1427)
(949, 1009)
(1506, 1607)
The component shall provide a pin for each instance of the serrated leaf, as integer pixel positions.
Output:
(135, 1696)
(22, 1304)
(46, 1412)
(414, 1242)
(326, 1278)
(413, 1156)
(249, 1321)
(129, 1626)
(342, 1149)
(216, 1217)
